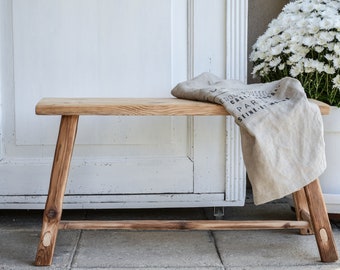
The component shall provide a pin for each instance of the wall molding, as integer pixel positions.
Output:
(237, 36)
(236, 68)
(191, 39)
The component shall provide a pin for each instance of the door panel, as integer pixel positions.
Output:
(107, 48)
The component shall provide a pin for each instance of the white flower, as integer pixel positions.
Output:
(319, 49)
(330, 46)
(262, 44)
(297, 38)
(264, 71)
(302, 24)
(328, 13)
(313, 28)
(336, 23)
(309, 41)
(321, 39)
(326, 24)
(286, 36)
(334, 4)
(315, 64)
(258, 68)
(309, 65)
(308, 7)
(326, 36)
(291, 7)
(296, 70)
(275, 40)
(274, 30)
(312, 24)
(338, 35)
(256, 55)
(295, 58)
(329, 57)
(297, 48)
(336, 81)
(337, 49)
(275, 62)
(277, 49)
(336, 62)
(329, 69)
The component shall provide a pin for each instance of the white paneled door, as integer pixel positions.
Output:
(111, 48)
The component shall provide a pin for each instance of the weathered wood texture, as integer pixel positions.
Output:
(134, 106)
(302, 210)
(54, 203)
(197, 225)
(320, 222)
(126, 106)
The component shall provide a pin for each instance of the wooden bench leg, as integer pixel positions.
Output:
(59, 174)
(319, 218)
(302, 210)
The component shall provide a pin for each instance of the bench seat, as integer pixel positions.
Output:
(135, 106)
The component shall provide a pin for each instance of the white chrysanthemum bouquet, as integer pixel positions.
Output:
(304, 43)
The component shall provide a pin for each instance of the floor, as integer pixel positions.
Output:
(235, 250)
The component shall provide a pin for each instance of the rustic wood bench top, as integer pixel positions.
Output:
(134, 106)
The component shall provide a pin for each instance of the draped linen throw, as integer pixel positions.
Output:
(281, 131)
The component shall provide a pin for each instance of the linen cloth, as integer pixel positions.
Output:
(281, 131)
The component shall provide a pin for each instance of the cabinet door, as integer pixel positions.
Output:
(111, 48)
(120, 48)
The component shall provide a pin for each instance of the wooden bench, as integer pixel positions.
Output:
(310, 207)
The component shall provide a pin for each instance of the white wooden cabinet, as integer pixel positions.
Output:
(119, 48)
